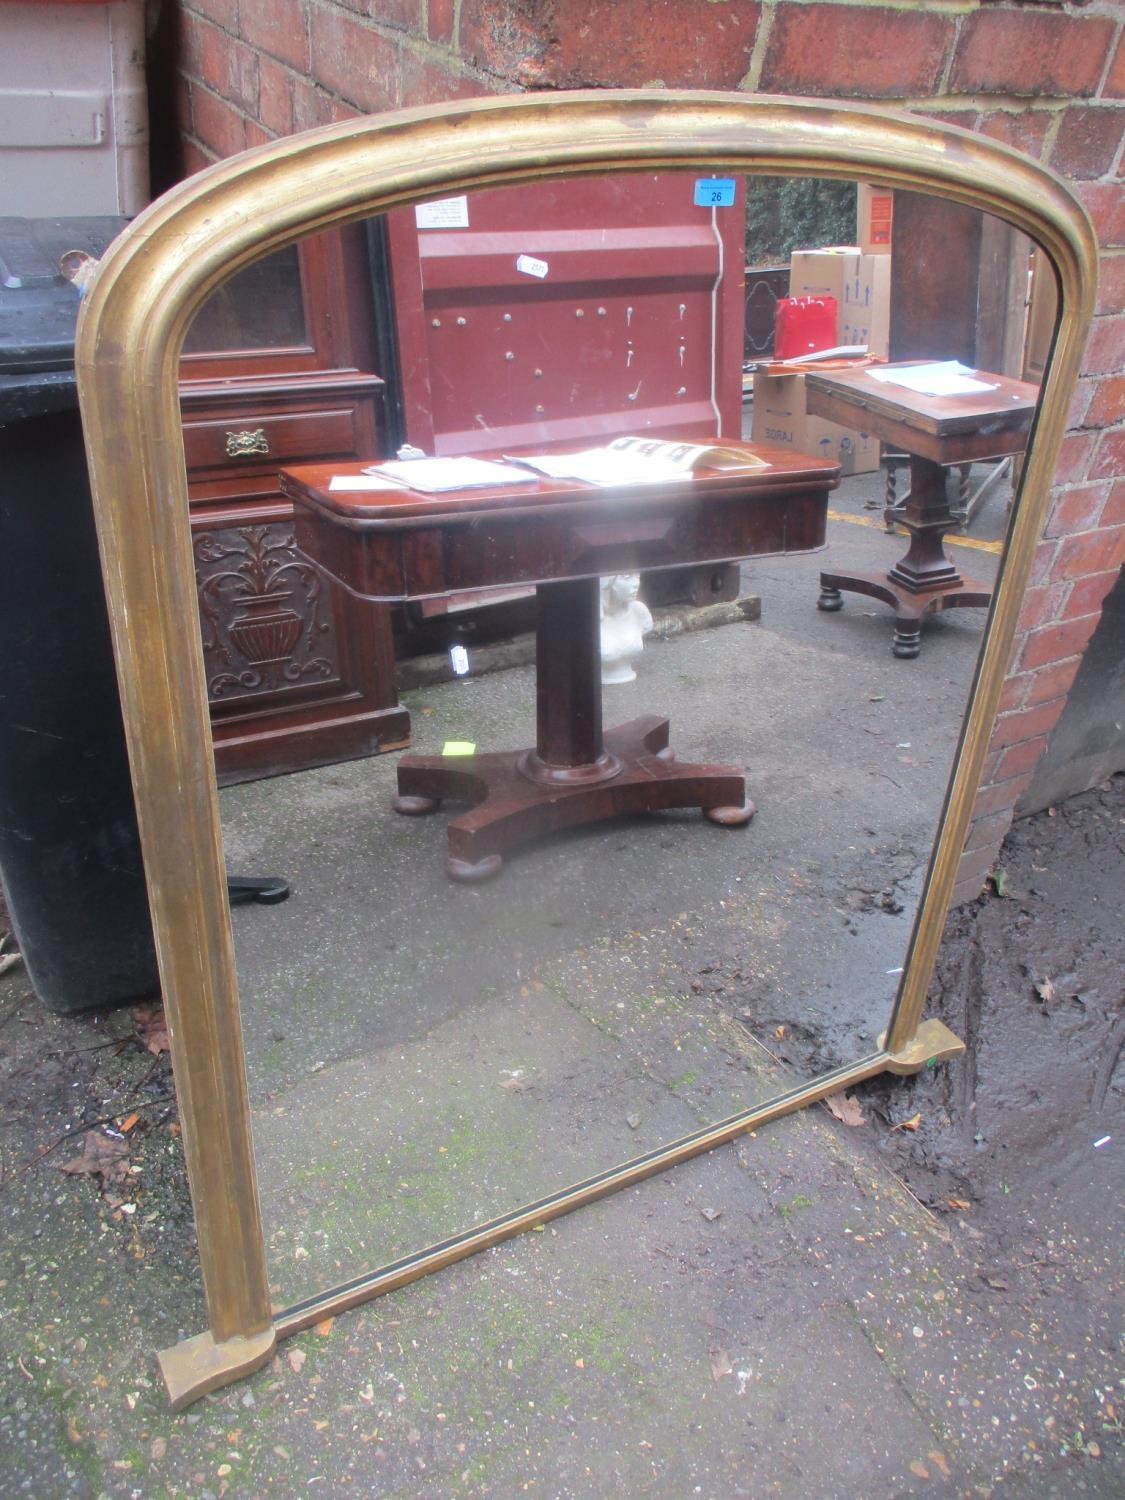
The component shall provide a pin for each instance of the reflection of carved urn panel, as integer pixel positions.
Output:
(265, 633)
(267, 617)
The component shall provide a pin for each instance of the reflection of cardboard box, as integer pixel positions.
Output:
(875, 208)
(780, 417)
(861, 285)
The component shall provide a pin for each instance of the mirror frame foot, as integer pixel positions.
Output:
(195, 1366)
(932, 1043)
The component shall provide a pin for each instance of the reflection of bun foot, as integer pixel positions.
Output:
(468, 873)
(731, 817)
(414, 807)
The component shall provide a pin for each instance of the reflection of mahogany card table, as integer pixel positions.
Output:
(562, 536)
(934, 431)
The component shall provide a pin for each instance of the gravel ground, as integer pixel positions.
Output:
(927, 1301)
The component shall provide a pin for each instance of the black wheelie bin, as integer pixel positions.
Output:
(70, 859)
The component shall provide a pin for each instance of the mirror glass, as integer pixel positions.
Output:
(425, 1053)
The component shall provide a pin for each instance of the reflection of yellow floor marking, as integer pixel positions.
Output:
(950, 541)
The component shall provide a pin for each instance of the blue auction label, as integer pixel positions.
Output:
(714, 192)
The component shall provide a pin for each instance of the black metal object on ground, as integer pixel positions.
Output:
(70, 857)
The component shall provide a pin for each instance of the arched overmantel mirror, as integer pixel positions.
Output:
(134, 323)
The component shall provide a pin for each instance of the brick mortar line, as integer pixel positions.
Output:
(908, 7)
(752, 77)
(1111, 50)
(418, 46)
(951, 57)
(231, 104)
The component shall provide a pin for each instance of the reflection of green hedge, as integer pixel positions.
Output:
(796, 213)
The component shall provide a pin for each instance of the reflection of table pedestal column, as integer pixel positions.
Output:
(922, 582)
(574, 775)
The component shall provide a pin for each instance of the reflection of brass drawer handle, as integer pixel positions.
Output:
(244, 444)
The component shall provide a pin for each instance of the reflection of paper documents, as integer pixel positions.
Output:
(945, 377)
(605, 466)
(433, 475)
(358, 482)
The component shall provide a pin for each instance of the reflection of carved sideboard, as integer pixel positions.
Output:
(277, 370)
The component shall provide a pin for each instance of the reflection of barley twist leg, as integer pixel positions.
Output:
(889, 498)
(963, 489)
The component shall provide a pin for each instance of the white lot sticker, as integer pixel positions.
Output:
(446, 213)
(530, 266)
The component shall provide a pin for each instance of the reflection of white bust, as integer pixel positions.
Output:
(625, 621)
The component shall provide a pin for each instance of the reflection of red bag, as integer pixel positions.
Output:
(804, 325)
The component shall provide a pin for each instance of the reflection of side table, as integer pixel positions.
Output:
(560, 535)
(935, 431)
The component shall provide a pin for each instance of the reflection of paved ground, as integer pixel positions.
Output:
(423, 1055)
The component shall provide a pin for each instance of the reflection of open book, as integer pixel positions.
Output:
(635, 460)
(686, 456)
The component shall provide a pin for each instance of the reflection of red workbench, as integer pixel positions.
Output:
(935, 431)
(562, 536)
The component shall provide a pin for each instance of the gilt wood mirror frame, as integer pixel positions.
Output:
(132, 328)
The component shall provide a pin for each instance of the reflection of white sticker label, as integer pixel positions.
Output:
(459, 660)
(446, 213)
(530, 266)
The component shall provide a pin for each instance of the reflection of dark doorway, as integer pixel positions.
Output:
(959, 285)
(387, 357)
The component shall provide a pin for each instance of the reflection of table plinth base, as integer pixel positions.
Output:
(909, 605)
(516, 796)
(924, 581)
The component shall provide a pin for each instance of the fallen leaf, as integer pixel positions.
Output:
(152, 1028)
(513, 1085)
(937, 1458)
(919, 1469)
(128, 1122)
(998, 880)
(72, 1431)
(779, 1033)
(997, 1283)
(846, 1109)
(711, 1214)
(720, 1363)
(961, 1204)
(1045, 990)
(1094, 1450)
(324, 1327)
(297, 1359)
(102, 1156)
(9, 961)
(911, 1124)
(159, 1448)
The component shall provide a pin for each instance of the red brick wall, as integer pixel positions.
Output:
(1047, 77)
